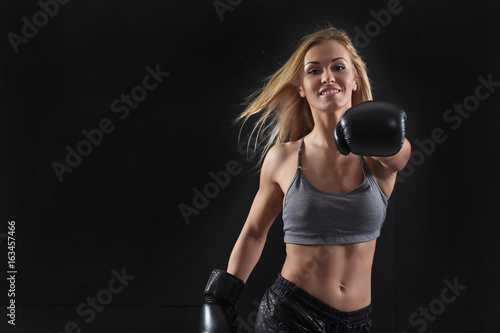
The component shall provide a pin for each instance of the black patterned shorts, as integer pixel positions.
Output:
(287, 308)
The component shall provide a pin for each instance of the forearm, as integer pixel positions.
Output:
(396, 162)
(245, 254)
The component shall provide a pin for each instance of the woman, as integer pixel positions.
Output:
(333, 202)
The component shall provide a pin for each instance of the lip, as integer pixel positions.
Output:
(323, 90)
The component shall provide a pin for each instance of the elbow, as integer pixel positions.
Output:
(251, 233)
(401, 158)
(256, 236)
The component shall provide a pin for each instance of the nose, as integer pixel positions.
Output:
(328, 77)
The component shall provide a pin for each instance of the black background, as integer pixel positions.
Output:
(119, 208)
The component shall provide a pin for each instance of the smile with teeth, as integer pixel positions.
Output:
(329, 92)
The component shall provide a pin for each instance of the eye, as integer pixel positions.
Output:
(339, 67)
(313, 71)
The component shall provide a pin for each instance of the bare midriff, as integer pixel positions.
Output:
(338, 275)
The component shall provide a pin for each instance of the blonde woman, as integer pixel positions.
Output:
(331, 159)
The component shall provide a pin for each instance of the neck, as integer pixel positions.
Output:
(324, 127)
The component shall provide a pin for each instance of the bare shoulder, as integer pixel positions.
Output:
(280, 163)
(280, 153)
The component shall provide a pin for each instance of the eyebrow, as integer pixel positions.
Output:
(317, 62)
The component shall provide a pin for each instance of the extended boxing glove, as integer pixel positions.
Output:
(371, 128)
(221, 295)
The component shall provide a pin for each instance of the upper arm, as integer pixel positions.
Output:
(269, 198)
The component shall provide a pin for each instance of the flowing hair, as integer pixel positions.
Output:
(284, 114)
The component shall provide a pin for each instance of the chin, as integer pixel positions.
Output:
(338, 106)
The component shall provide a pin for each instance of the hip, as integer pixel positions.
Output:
(287, 308)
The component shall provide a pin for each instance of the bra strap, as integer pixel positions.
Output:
(299, 163)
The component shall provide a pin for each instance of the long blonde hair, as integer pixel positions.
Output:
(284, 114)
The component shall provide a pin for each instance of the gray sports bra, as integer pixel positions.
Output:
(314, 217)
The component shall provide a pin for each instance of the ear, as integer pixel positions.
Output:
(301, 91)
(355, 86)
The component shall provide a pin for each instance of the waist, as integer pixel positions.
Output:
(286, 290)
(339, 275)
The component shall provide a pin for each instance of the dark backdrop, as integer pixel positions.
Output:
(101, 244)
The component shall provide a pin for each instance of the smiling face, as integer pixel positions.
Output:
(328, 79)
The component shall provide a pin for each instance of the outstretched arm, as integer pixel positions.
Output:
(377, 130)
(395, 163)
(385, 169)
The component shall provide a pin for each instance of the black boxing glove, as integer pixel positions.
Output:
(221, 295)
(371, 128)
